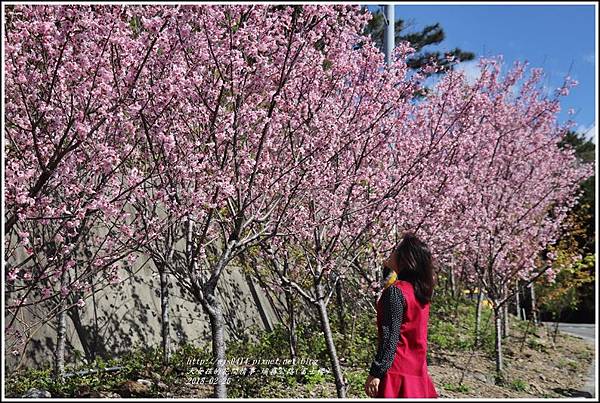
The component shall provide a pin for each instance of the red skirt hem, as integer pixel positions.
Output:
(396, 385)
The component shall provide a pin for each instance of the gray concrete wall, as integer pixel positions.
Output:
(129, 314)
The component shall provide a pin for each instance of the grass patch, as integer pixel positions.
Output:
(136, 364)
(452, 325)
(519, 385)
(451, 329)
(451, 387)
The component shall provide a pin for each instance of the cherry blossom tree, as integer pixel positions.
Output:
(72, 77)
(258, 90)
(337, 221)
(493, 196)
(196, 135)
(516, 184)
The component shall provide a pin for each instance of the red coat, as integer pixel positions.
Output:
(408, 376)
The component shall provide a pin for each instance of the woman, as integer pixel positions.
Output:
(400, 366)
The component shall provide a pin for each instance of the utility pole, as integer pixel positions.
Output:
(390, 34)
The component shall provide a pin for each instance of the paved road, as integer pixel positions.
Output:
(587, 332)
(584, 330)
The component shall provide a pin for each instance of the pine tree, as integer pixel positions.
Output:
(430, 35)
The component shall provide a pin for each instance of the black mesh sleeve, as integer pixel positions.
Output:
(393, 304)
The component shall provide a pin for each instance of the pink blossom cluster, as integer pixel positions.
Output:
(264, 125)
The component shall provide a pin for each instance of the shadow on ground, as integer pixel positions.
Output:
(570, 392)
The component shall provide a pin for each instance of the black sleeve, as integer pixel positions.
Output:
(393, 313)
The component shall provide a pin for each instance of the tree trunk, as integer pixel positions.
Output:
(82, 333)
(61, 332)
(207, 298)
(164, 317)
(498, 352)
(505, 323)
(517, 300)
(478, 318)
(555, 330)
(534, 314)
(293, 341)
(98, 346)
(326, 328)
(525, 335)
(340, 307)
(505, 320)
(352, 328)
(452, 283)
(217, 326)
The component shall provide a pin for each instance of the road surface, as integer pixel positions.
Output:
(586, 331)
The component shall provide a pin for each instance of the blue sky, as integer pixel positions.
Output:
(554, 37)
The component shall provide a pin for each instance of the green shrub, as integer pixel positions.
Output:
(451, 327)
(462, 388)
(519, 385)
(314, 377)
(356, 380)
(534, 344)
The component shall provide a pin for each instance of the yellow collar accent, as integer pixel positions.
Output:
(391, 279)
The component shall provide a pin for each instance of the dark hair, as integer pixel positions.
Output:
(416, 265)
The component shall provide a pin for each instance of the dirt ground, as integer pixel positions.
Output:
(535, 367)
(538, 367)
